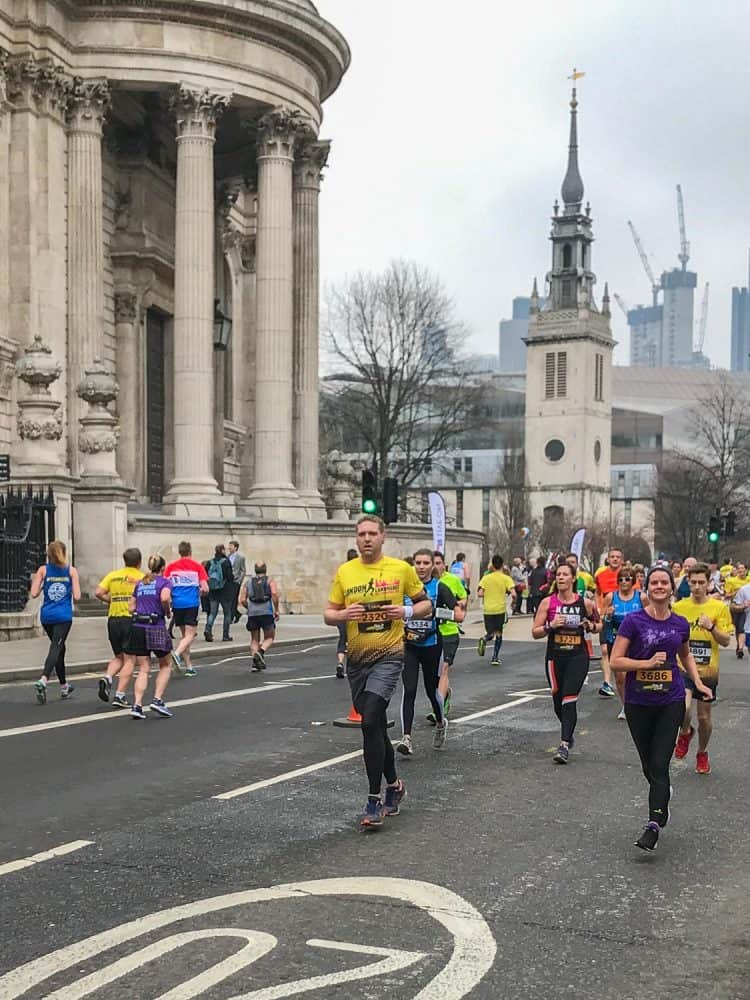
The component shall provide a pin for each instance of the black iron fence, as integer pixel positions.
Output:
(27, 524)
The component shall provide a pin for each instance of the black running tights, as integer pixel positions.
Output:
(565, 675)
(654, 730)
(57, 634)
(428, 658)
(378, 749)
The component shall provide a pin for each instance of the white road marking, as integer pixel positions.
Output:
(492, 711)
(298, 772)
(34, 859)
(472, 956)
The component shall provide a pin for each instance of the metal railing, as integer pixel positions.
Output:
(27, 524)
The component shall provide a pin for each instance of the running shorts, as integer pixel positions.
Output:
(738, 620)
(265, 622)
(185, 616)
(494, 623)
(450, 647)
(118, 630)
(148, 639)
(380, 677)
(341, 644)
(690, 686)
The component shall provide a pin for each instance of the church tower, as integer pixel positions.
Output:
(569, 371)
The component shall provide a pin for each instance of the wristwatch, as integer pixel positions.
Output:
(713, 626)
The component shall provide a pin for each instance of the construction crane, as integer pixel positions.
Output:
(655, 286)
(622, 304)
(701, 336)
(684, 255)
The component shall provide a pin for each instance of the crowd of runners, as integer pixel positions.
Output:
(660, 631)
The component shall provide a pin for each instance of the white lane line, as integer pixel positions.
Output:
(298, 772)
(34, 859)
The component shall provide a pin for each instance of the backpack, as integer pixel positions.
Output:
(215, 575)
(259, 591)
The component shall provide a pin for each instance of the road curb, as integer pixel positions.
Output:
(97, 666)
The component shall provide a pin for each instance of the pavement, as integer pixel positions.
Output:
(217, 854)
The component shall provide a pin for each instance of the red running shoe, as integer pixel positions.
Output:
(702, 763)
(683, 744)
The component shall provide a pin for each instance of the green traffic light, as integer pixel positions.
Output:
(713, 536)
(369, 506)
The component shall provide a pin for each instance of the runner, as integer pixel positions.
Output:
(59, 585)
(461, 569)
(368, 594)
(682, 583)
(261, 598)
(188, 580)
(731, 586)
(150, 606)
(605, 579)
(564, 618)
(424, 648)
(450, 633)
(647, 646)
(584, 581)
(341, 644)
(621, 602)
(710, 627)
(115, 590)
(494, 587)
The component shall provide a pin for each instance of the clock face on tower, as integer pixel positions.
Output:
(554, 450)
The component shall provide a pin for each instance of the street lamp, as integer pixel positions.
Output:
(222, 328)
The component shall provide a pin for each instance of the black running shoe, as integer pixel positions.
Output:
(649, 838)
(105, 687)
(340, 672)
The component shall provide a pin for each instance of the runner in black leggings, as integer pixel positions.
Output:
(647, 646)
(564, 618)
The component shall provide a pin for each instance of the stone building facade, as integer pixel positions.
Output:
(160, 166)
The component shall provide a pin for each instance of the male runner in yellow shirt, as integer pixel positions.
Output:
(710, 627)
(494, 587)
(368, 595)
(731, 585)
(115, 590)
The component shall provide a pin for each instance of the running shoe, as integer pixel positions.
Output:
(66, 691)
(41, 692)
(621, 715)
(137, 712)
(120, 701)
(177, 662)
(394, 796)
(740, 654)
(431, 719)
(256, 667)
(339, 672)
(649, 838)
(372, 817)
(438, 737)
(191, 672)
(405, 745)
(683, 744)
(158, 706)
(561, 757)
(495, 662)
(481, 646)
(447, 703)
(226, 638)
(702, 763)
(262, 658)
(105, 688)
(606, 690)
(208, 636)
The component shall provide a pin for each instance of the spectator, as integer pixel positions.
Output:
(220, 592)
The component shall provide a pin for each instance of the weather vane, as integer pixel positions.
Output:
(576, 75)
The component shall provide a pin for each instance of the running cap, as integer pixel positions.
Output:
(660, 568)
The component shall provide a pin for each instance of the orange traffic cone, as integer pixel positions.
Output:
(353, 719)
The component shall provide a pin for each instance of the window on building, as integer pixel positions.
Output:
(567, 292)
(459, 508)
(562, 373)
(456, 464)
(549, 375)
(485, 510)
(468, 468)
(427, 467)
(628, 516)
(425, 512)
(599, 378)
(567, 255)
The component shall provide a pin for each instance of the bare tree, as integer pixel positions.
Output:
(399, 390)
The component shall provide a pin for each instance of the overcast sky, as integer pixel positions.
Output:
(450, 143)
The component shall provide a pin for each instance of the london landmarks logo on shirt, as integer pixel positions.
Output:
(374, 587)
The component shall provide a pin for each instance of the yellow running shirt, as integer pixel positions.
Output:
(703, 645)
(120, 584)
(733, 583)
(376, 585)
(496, 586)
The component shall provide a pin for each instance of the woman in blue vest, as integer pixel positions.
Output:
(424, 648)
(59, 586)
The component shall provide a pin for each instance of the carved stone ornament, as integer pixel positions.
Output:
(197, 111)
(88, 104)
(98, 387)
(38, 367)
(278, 131)
(4, 103)
(248, 245)
(7, 374)
(126, 307)
(310, 161)
(38, 84)
(35, 429)
(97, 442)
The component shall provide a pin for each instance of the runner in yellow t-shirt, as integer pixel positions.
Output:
(710, 627)
(731, 585)
(115, 590)
(494, 587)
(368, 595)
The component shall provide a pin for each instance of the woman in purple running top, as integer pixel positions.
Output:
(150, 606)
(646, 649)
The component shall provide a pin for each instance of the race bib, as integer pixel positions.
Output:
(375, 618)
(653, 681)
(419, 629)
(701, 652)
(566, 640)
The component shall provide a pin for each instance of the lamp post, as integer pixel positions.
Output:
(222, 328)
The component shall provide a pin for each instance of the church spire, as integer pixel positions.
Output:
(572, 186)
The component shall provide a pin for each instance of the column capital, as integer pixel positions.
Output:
(33, 84)
(197, 110)
(311, 159)
(88, 104)
(279, 130)
(126, 306)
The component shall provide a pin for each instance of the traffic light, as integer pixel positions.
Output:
(729, 527)
(390, 500)
(369, 492)
(714, 528)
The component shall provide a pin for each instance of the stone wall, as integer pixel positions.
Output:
(302, 558)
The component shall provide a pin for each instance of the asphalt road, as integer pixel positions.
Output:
(504, 876)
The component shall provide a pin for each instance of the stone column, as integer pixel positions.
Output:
(39, 413)
(5, 109)
(129, 450)
(197, 112)
(87, 107)
(311, 158)
(273, 494)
